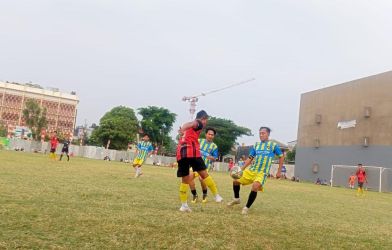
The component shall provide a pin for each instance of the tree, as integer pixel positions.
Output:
(227, 133)
(157, 122)
(119, 125)
(35, 117)
(290, 155)
(3, 130)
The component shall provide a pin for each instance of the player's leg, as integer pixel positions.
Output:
(246, 179)
(204, 189)
(192, 186)
(136, 165)
(67, 156)
(61, 156)
(183, 172)
(210, 183)
(257, 186)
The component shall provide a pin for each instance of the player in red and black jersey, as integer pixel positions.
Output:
(361, 177)
(53, 145)
(188, 155)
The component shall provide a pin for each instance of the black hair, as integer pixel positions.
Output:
(212, 129)
(201, 114)
(266, 128)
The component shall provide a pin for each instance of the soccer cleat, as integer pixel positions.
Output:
(204, 199)
(218, 198)
(235, 201)
(194, 199)
(185, 209)
(245, 211)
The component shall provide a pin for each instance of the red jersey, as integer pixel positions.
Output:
(352, 179)
(53, 142)
(361, 175)
(188, 144)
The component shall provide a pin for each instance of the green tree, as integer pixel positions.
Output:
(119, 125)
(157, 122)
(3, 130)
(35, 117)
(290, 155)
(227, 133)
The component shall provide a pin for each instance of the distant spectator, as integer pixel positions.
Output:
(231, 164)
(351, 180)
(283, 172)
(241, 162)
(297, 179)
(318, 181)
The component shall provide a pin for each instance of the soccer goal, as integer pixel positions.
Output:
(379, 178)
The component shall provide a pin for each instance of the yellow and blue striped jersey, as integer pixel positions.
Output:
(208, 149)
(263, 153)
(143, 148)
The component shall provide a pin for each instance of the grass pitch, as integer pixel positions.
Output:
(99, 205)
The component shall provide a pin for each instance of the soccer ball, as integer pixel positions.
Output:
(236, 173)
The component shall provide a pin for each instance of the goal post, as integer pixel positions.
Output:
(379, 178)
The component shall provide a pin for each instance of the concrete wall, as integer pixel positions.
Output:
(347, 102)
(368, 102)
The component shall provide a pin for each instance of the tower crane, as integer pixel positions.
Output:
(194, 99)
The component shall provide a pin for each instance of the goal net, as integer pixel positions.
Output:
(379, 178)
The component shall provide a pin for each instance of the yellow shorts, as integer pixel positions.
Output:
(138, 161)
(248, 177)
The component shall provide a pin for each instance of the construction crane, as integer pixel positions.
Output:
(194, 99)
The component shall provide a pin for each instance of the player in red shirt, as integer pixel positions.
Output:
(351, 180)
(53, 145)
(361, 176)
(188, 155)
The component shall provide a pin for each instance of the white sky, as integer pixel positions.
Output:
(148, 52)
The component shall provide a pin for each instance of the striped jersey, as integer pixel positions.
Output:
(143, 148)
(263, 153)
(208, 149)
(188, 144)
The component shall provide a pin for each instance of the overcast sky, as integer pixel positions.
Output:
(144, 52)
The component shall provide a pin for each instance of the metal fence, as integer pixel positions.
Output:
(100, 153)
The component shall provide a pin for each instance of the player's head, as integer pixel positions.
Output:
(54, 133)
(264, 133)
(210, 134)
(360, 165)
(146, 137)
(202, 116)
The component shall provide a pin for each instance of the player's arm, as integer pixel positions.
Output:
(279, 153)
(252, 155)
(281, 159)
(150, 151)
(213, 156)
(247, 162)
(193, 124)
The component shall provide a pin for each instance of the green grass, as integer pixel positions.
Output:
(99, 205)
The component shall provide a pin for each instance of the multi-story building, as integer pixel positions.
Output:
(61, 107)
(345, 124)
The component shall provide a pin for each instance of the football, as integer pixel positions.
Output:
(236, 172)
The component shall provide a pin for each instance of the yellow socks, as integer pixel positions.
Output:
(183, 192)
(211, 185)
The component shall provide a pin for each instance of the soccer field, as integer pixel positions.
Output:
(97, 204)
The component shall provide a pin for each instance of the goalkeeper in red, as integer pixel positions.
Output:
(188, 155)
(261, 154)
